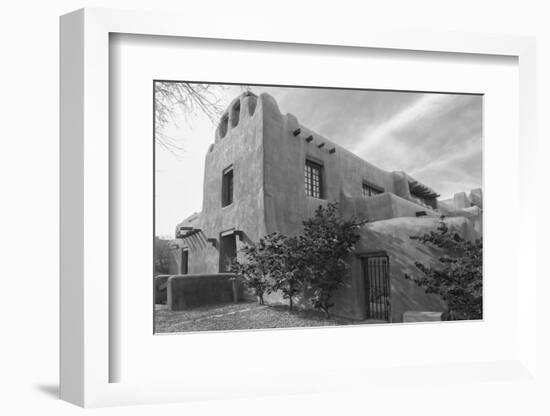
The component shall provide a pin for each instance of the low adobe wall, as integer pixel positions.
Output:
(193, 290)
(160, 283)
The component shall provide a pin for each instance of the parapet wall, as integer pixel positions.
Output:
(382, 207)
(462, 200)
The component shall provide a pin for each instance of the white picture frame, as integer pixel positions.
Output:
(85, 355)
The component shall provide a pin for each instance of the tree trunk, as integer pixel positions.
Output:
(290, 298)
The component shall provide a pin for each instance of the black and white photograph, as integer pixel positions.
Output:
(291, 206)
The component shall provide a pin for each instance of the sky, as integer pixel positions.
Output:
(436, 138)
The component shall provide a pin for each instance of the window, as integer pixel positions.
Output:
(313, 179)
(223, 126)
(235, 113)
(252, 101)
(227, 187)
(370, 190)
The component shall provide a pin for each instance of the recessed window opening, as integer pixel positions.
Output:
(223, 126)
(235, 112)
(227, 186)
(252, 101)
(313, 179)
(371, 190)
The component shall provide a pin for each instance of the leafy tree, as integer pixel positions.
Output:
(459, 278)
(285, 266)
(271, 265)
(325, 245)
(254, 269)
(161, 256)
(314, 260)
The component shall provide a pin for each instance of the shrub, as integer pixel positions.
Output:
(161, 254)
(254, 269)
(314, 260)
(326, 242)
(270, 266)
(459, 278)
(285, 266)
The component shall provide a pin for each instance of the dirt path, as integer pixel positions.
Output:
(247, 315)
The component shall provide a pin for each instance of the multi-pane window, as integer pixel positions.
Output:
(227, 186)
(313, 179)
(370, 190)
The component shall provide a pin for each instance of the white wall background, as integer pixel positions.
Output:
(29, 203)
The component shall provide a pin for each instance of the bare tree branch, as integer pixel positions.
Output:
(173, 99)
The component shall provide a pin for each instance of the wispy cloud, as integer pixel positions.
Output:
(470, 150)
(423, 106)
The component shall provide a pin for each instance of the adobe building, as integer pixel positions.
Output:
(268, 173)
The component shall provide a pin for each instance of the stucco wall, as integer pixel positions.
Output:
(461, 201)
(287, 145)
(381, 207)
(393, 236)
(242, 147)
(286, 204)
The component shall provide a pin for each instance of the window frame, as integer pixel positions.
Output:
(235, 114)
(228, 186)
(223, 127)
(372, 189)
(313, 166)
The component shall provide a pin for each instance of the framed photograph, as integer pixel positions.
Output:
(227, 197)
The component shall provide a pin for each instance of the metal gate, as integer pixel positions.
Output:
(376, 275)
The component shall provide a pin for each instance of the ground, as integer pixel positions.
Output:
(244, 315)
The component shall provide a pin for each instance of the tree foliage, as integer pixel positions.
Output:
(326, 242)
(315, 260)
(458, 279)
(255, 268)
(161, 254)
(285, 266)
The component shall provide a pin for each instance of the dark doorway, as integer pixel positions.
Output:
(184, 267)
(376, 275)
(228, 251)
